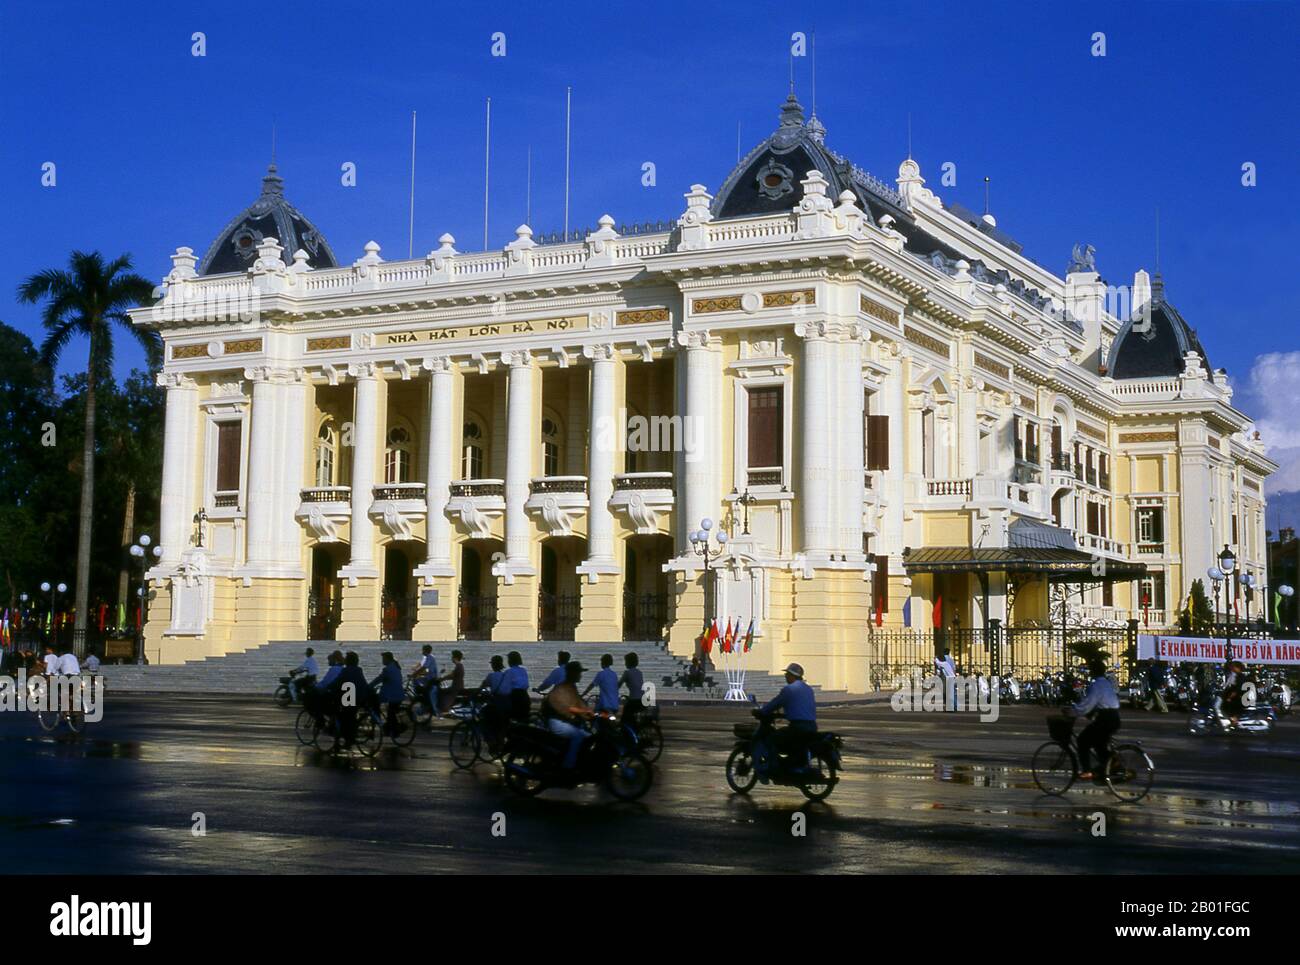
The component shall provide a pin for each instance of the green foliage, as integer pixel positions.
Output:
(1197, 617)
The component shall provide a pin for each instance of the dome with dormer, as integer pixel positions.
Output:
(1154, 343)
(270, 216)
(769, 179)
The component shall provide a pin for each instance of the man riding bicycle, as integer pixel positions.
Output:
(1101, 703)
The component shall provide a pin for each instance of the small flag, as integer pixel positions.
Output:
(937, 616)
(907, 612)
(880, 610)
(749, 636)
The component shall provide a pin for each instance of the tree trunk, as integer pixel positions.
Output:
(128, 524)
(87, 495)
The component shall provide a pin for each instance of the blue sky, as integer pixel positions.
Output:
(157, 148)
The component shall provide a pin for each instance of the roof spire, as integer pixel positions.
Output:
(791, 112)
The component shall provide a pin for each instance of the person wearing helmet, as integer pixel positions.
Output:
(799, 703)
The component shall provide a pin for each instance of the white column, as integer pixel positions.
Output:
(521, 437)
(699, 472)
(438, 474)
(816, 434)
(600, 473)
(852, 457)
(263, 454)
(291, 443)
(365, 443)
(180, 435)
(893, 404)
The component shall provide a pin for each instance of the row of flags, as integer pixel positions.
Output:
(728, 640)
(14, 619)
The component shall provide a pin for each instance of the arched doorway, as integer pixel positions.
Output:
(477, 599)
(645, 587)
(325, 594)
(557, 593)
(398, 599)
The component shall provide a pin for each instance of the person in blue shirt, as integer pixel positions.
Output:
(635, 682)
(556, 676)
(496, 707)
(799, 703)
(350, 692)
(314, 697)
(1100, 702)
(606, 684)
(516, 685)
(304, 674)
(391, 692)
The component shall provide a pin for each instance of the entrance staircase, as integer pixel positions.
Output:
(258, 671)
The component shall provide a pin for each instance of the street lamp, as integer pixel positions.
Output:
(700, 545)
(54, 604)
(1216, 577)
(1286, 591)
(141, 552)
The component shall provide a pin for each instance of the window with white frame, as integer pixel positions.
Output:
(472, 450)
(398, 456)
(326, 454)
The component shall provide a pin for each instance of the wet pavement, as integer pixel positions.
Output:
(920, 793)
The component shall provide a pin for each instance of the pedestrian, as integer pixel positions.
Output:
(92, 663)
(947, 671)
(516, 684)
(1156, 675)
(51, 661)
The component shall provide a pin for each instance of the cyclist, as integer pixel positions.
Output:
(447, 697)
(606, 683)
(497, 708)
(347, 711)
(425, 677)
(516, 684)
(308, 670)
(391, 692)
(635, 682)
(1101, 703)
(556, 676)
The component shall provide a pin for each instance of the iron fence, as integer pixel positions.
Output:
(644, 615)
(557, 615)
(397, 616)
(477, 615)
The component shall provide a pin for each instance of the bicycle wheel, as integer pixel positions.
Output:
(419, 711)
(405, 727)
(819, 786)
(1129, 772)
(522, 770)
(76, 721)
(370, 734)
(629, 777)
(1055, 768)
(306, 727)
(651, 740)
(464, 744)
(48, 719)
(282, 697)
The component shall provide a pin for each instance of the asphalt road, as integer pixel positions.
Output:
(920, 793)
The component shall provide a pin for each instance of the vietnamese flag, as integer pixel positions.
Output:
(880, 611)
(706, 640)
(938, 612)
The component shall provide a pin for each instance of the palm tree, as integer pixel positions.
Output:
(86, 300)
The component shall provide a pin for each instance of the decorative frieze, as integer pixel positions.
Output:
(642, 316)
(918, 337)
(992, 366)
(1132, 437)
(788, 299)
(329, 342)
(241, 346)
(719, 303)
(190, 351)
(877, 310)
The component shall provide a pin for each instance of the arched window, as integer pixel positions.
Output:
(550, 448)
(326, 452)
(472, 451)
(398, 456)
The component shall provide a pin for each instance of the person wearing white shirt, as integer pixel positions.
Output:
(1101, 701)
(69, 666)
(51, 660)
(947, 670)
(92, 663)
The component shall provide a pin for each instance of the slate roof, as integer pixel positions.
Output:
(235, 248)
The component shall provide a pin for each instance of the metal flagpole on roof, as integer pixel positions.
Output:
(410, 230)
(568, 117)
(487, 171)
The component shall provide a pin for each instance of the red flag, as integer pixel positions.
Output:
(749, 636)
(880, 611)
(731, 637)
(938, 612)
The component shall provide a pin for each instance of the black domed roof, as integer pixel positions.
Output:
(769, 179)
(1155, 350)
(270, 216)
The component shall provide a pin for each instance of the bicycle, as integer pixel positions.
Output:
(50, 719)
(1129, 770)
(469, 738)
(645, 733)
(324, 731)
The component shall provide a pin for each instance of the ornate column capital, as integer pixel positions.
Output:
(517, 358)
(174, 380)
(363, 370)
(437, 364)
(699, 338)
(600, 352)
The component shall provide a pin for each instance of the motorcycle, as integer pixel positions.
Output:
(533, 760)
(812, 768)
(1255, 717)
(292, 686)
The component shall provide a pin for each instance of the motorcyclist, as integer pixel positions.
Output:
(565, 711)
(799, 702)
(1230, 700)
(303, 675)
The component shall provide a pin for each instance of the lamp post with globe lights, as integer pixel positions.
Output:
(141, 552)
(1285, 591)
(1216, 577)
(54, 592)
(1228, 566)
(702, 547)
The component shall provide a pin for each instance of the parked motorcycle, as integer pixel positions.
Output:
(533, 760)
(812, 768)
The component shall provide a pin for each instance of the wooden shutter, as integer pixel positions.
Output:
(1015, 432)
(228, 439)
(877, 442)
(765, 427)
(1056, 443)
(1093, 520)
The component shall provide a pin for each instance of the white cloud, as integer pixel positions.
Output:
(1273, 389)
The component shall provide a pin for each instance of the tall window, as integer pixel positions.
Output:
(229, 435)
(398, 457)
(880, 585)
(326, 451)
(877, 441)
(766, 427)
(927, 443)
(1151, 525)
(1151, 591)
(472, 451)
(550, 448)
